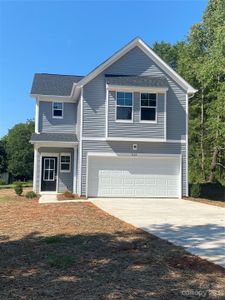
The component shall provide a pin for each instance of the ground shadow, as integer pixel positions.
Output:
(122, 265)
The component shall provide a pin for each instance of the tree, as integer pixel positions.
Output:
(200, 59)
(3, 156)
(20, 151)
(168, 52)
(213, 74)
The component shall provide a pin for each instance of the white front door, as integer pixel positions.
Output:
(134, 176)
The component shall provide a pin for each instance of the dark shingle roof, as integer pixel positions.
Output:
(53, 84)
(143, 81)
(53, 137)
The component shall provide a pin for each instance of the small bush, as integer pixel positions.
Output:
(31, 195)
(2, 181)
(195, 190)
(18, 188)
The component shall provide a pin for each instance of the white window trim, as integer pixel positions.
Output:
(132, 106)
(156, 109)
(65, 171)
(57, 117)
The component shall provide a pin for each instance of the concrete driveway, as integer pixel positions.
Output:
(200, 228)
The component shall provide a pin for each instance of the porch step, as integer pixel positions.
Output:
(48, 198)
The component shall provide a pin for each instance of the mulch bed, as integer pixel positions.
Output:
(207, 201)
(76, 251)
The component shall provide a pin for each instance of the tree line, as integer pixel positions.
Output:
(200, 59)
(16, 152)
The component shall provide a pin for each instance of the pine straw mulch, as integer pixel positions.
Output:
(206, 201)
(76, 251)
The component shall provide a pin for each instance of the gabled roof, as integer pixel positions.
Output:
(138, 81)
(148, 51)
(64, 85)
(53, 84)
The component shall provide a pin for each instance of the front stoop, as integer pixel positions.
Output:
(48, 198)
(52, 198)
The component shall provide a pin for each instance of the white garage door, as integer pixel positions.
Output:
(134, 177)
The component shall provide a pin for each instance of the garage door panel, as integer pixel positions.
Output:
(128, 181)
(133, 177)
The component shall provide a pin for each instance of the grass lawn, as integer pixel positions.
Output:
(10, 186)
(76, 251)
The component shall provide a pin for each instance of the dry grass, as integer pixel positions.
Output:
(207, 201)
(76, 251)
(9, 196)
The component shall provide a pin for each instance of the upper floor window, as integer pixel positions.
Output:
(148, 107)
(124, 106)
(57, 110)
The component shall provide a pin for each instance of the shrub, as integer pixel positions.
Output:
(31, 195)
(195, 190)
(18, 188)
(2, 181)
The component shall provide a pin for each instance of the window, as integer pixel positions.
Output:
(124, 103)
(65, 162)
(57, 110)
(148, 107)
(49, 169)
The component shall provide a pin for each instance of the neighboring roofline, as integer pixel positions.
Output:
(148, 51)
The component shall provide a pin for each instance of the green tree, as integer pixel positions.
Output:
(201, 61)
(168, 52)
(3, 156)
(20, 151)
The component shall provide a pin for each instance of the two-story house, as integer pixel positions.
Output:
(120, 131)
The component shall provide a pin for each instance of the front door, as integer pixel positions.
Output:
(49, 174)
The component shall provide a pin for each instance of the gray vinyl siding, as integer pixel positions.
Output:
(126, 149)
(136, 63)
(136, 128)
(94, 95)
(65, 180)
(48, 124)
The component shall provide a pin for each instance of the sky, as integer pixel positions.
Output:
(73, 37)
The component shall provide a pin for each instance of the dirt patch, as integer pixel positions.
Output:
(206, 201)
(76, 251)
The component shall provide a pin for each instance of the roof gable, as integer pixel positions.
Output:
(149, 52)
